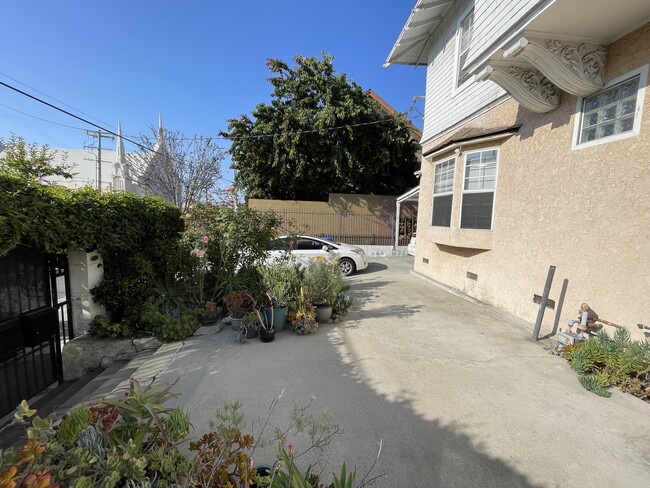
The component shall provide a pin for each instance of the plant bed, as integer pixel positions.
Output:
(605, 361)
(135, 438)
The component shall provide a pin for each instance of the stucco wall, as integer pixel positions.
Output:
(586, 211)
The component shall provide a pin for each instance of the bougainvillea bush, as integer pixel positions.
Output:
(226, 241)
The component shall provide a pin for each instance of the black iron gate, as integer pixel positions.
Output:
(35, 320)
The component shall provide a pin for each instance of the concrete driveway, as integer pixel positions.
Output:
(455, 390)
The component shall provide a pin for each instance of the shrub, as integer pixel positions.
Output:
(168, 327)
(138, 237)
(101, 326)
(280, 281)
(603, 361)
(225, 241)
(323, 281)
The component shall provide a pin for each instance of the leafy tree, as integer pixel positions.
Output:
(31, 161)
(182, 170)
(320, 134)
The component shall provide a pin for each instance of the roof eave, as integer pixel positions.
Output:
(425, 14)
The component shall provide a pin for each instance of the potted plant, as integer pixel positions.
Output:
(323, 282)
(266, 329)
(238, 303)
(210, 313)
(302, 317)
(279, 279)
(250, 324)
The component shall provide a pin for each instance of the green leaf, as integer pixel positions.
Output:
(23, 411)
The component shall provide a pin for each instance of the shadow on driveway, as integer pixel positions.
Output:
(373, 267)
(416, 452)
(459, 396)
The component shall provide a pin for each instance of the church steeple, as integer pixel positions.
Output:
(120, 161)
(159, 145)
(119, 146)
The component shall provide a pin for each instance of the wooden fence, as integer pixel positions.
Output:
(369, 228)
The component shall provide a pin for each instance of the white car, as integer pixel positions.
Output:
(410, 249)
(351, 258)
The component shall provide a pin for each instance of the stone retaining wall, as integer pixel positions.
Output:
(88, 353)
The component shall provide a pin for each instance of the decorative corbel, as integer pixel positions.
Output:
(525, 84)
(576, 68)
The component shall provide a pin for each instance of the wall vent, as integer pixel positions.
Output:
(425, 260)
(472, 276)
(549, 303)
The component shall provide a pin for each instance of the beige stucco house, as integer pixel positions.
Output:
(536, 150)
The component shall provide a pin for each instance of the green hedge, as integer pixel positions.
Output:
(138, 237)
(57, 219)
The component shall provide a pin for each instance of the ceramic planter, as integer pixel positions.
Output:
(323, 313)
(206, 320)
(251, 332)
(279, 316)
(267, 335)
(234, 323)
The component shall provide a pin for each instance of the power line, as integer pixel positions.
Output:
(151, 149)
(310, 131)
(40, 118)
(251, 136)
(40, 100)
(30, 127)
(52, 98)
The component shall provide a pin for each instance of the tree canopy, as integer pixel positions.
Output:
(183, 170)
(320, 134)
(30, 161)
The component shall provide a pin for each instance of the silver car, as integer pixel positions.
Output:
(351, 258)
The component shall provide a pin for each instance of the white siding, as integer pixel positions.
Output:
(493, 18)
(445, 104)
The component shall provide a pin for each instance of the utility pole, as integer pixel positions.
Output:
(98, 134)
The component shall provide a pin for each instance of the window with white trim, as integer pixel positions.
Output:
(613, 113)
(479, 184)
(610, 112)
(443, 193)
(465, 31)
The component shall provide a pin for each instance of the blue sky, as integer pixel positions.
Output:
(197, 63)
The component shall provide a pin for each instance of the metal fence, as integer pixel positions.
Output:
(371, 229)
(35, 319)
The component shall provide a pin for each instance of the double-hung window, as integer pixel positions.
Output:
(479, 184)
(465, 31)
(443, 193)
(614, 112)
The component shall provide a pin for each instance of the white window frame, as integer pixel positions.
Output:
(443, 194)
(494, 191)
(457, 66)
(638, 113)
